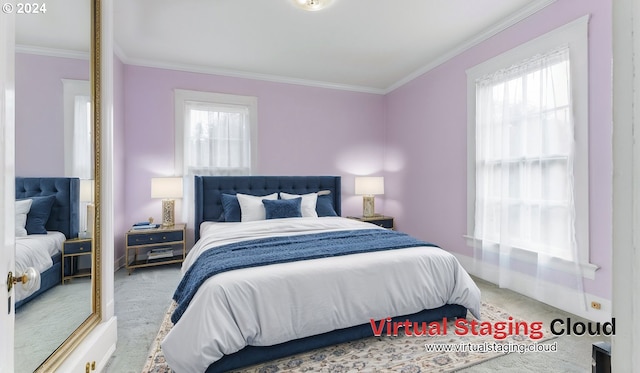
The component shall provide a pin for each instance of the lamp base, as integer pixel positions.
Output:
(368, 206)
(91, 218)
(168, 212)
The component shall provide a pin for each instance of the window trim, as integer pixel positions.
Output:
(575, 35)
(181, 96)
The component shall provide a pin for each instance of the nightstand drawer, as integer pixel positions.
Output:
(149, 238)
(384, 223)
(77, 247)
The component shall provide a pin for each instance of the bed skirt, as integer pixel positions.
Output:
(251, 355)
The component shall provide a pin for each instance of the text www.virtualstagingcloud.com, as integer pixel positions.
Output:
(492, 347)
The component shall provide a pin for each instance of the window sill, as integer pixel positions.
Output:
(585, 269)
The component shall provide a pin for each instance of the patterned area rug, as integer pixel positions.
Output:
(390, 354)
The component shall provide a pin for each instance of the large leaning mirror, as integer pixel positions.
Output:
(57, 128)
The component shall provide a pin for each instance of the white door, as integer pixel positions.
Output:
(7, 184)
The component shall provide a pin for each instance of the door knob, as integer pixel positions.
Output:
(28, 279)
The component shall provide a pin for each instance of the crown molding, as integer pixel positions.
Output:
(242, 74)
(52, 52)
(470, 43)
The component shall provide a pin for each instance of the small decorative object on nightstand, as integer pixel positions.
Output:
(155, 246)
(72, 251)
(379, 220)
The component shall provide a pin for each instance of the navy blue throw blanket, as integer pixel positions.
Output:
(259, 252)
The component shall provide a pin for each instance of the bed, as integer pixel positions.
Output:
(227, 319)
(54, 210)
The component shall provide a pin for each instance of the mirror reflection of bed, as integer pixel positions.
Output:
(52, 73)
(47, 314)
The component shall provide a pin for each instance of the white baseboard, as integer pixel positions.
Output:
(97, 347)
(119, 263)
(555, 295)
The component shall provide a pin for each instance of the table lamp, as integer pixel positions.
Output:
(368, 187)
(86, 197)
(167, 188)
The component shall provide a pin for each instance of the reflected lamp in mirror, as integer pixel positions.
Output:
(86, 198)
(368, 187)
(167, 188)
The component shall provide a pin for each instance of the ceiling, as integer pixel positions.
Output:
(362, 45)
(64, 30)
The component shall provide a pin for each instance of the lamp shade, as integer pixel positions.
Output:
(369, 185)
(86, 190)
(166, 187)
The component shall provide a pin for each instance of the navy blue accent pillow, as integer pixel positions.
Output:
(324, 206)
(230, 208)
(39, 214)
(282, 208)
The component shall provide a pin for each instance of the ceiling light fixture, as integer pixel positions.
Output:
(312, 5)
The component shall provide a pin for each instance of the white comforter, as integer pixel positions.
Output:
(35, 251)
(272, 304)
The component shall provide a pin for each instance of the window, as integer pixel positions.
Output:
(78, 136)
(78, 128)
(524, 156)
(216, 134)
(528, 149)
(217, 139)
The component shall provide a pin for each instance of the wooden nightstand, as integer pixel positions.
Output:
(72, 250)
(152, 247)
(379, 220)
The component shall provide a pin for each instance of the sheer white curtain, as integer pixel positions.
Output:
(524, 209)
(82, 138)
(217, 141)
(78, 137)
(82, 164)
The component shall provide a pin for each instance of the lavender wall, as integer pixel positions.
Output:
(39, 112)
(301, 131)
(426, 119)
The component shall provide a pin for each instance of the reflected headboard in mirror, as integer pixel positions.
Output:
(64, 216)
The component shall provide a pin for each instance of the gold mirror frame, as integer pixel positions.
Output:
(70, 344)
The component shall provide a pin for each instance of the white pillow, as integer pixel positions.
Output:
(308, 204)
(251, 207)
(22, 209)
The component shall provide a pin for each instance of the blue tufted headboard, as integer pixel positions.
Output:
(66, 207)
(208, 191)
